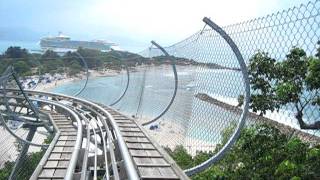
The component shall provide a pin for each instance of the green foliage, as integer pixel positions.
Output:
(313, 76)
(71, 64)
(52, 66)
(92, 57)
(27, 64)
(261, 73)
(29, 164)
(22, 67)
(74, 69)
(262, 152)
(49, 55)
(6, 170)
(181, 157)
(20, 58)
(294, 81)
(16, 52)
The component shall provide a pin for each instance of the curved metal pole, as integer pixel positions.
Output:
(125, 90)
(19, 138)
(128, 81)
(12, 113)
(236, 134)
(10, 72)
(24, 94)
(87, 73)
(173, 64)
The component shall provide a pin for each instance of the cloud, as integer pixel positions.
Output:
(171, 19)
(166, 21)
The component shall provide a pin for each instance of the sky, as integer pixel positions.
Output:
(131, 24)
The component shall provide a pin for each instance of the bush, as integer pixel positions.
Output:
(262, 152)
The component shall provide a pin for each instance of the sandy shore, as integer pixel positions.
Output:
(171, 134)
(49, 86)
(65, 80)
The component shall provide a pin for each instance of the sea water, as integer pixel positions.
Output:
(201, 120)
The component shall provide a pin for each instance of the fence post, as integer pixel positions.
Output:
(236, 133)
(173, 64)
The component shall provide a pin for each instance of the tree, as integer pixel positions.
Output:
(21, 67)
(181, 157)
(261, 152)
(52, 67)
(92, 57)
(50, 55)
(275, 84)
(16, 52)
(74, 69)
(6, 170)
(29, 163)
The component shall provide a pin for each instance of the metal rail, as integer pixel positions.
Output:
(158, 161)
(105, 144)
(86, 154)
(79, 112)
(47, 153)
(19, 138)
(77, 146)
(129, 165)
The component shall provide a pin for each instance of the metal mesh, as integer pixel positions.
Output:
(23, 135)
(200, 110)
(210, 82)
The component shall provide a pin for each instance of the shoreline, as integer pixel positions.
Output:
(171, 134)
(253, 118)
(108, 73)
(65, 80)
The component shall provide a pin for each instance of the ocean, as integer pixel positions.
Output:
(199, 119)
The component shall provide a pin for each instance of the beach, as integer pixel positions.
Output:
(171, 134)
(64, 79)
(196, 118)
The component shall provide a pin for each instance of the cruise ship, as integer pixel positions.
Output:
(63, 43)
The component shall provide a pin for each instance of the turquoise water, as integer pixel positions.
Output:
(200, 119)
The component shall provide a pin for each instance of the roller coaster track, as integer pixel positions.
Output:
(128, 152)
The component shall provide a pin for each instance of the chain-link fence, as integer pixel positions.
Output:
(210, 88)
(24, 136)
